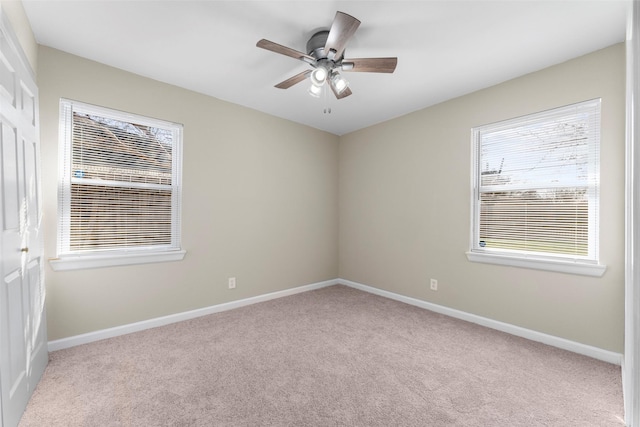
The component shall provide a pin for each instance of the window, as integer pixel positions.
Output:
(536, 190)
(119, 189)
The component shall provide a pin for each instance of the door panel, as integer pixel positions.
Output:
(10, 194)
(7, 74)
(28, 105)
(13, 350)
(32, 178)
(36, 296)
(14, 309)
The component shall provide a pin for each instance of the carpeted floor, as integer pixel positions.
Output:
(330, 357)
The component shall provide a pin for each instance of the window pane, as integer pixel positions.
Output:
(105, 217)
(549, 153)
(552, 221)
(117, 151)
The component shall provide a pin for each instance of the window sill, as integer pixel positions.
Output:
(570, 267)
(76, 262)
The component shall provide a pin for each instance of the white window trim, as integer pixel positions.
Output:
(77, 262)
(513, 259)
(570, 267)
(122, 257)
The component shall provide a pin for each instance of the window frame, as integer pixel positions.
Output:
(583, 265)
(68, 259)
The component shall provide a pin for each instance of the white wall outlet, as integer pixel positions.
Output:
(232, 282)
(434, 285)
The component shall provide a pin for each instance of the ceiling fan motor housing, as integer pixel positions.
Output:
(316, 44)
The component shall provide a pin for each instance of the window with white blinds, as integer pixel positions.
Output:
(120, 183)
(536, 185)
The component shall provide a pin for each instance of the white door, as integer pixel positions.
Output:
(23, 336)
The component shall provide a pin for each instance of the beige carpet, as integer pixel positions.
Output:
(331, 357)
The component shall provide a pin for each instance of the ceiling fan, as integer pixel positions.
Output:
(325, 54)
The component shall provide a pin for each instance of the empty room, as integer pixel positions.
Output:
(319, 213)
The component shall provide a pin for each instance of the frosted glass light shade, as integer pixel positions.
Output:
(315, 90)
(319, 76)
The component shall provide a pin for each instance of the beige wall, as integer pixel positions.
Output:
(21, 27)
(405, 207)
(263, 202)
(259, 202)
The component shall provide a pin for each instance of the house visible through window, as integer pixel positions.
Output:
(536, 189)
(119, 190)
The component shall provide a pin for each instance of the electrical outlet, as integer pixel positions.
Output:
(434, 285)
(232, 282)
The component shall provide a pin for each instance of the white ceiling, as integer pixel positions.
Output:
(445, 48)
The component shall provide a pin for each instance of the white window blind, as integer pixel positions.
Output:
(120, 182)
(536, 185)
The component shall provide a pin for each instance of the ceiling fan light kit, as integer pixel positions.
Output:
(339, 82)
(315, 90)
(319, 75)
(326, 57)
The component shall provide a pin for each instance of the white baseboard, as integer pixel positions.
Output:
(586, 350)
(178, 317)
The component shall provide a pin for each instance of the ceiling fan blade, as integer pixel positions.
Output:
(341, 31)
(293, 80)
(346, 92)
(283, 50)
(370, 65)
